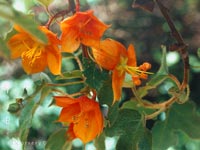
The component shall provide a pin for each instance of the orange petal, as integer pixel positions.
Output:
(70, 114)
(52, 37)
(82, 27)
(70, 132)
(34, 62)
(86, 129)
(107, 54)
(64, 101)
(93, 30)
(54, 60)
(91, 105)
(131, 56)
(117, 82)
(17, 44)
(70, 40)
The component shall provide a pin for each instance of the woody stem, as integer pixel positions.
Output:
(182, 47)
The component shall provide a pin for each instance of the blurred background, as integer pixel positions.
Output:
(147, 31)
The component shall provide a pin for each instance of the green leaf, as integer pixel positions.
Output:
(58, 140)
(105, 93)
(158, 78)
(94, 76)
(45, 2)
(4, 51)
(163, 70)
(25, 120)
(5, 27)
(145, 142)
(100, 142)
(198, 52)
(179, 118)
(129, 126)
(70, 75)
(113, 113)
(27, 113)
(134, 105)
(6, 11)
(186, 142)
(26, 22)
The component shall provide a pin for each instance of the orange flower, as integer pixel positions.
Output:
(36, 56)
(112, 55)
(82, 27)
(84, 116)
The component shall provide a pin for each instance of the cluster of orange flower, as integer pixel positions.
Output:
(83, 114)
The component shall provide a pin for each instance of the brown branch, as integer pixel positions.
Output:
(59, 14)
(182, 47)
(77, 5)
(72, 6)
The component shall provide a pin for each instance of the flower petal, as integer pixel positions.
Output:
(82, 27)
(70, 132)
(17, 44)
(34, 62)
(64, 101)
(93, 30)
(70, 114)
(69, 40)
(86, 128)
(54, 60)
(131, 56)
(52, 37)
(107, 54)
(117, 82)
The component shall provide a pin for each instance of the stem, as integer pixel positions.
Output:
(65, 84)
(72, 6)
(29, 98)
(59, 14)
(66, 94)
(149, 105)
(153, 115)
(79, 63)
(77, 5)
(85, 51)
(182, 47)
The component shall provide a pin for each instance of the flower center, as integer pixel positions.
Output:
(134, 71)
(33, 52)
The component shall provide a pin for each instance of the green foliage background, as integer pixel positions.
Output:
(177, 129)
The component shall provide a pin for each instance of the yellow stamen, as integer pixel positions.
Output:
(135, 72)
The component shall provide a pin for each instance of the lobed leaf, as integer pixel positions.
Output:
(129, 126)
(100, 142)
(58, 140)
(134, 105)
(94, 76)
(105, 93)
(182, 118)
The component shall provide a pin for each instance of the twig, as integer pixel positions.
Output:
(180, 43)
(59, 14)
(77, 5)
(72, 6)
